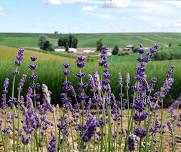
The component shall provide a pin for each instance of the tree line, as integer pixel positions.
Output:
(65, 41)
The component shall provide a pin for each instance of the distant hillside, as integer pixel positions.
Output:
(89, 40)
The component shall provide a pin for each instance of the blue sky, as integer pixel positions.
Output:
(90, 16)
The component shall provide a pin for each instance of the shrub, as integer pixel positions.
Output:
(135, 50)
(115, 50)
(45, 44)
(99, 45)
(168, 53)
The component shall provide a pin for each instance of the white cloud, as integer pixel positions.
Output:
(173, 3)
(88, 8)
(116, 3)
(172, 24)
(2, 13)
(59, 2)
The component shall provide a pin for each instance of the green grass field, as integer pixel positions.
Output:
(89, 40)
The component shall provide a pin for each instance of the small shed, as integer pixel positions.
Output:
(128, 48)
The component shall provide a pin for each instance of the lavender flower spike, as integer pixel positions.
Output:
(131, 142)
(46, 93)
(52, 144)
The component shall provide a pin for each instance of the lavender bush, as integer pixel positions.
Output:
(97, 121)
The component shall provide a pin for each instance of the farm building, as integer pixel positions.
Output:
(128, 48)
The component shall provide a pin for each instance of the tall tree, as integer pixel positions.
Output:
(99, 45)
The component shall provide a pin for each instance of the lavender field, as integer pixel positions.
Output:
(90, 76)
(94, 121)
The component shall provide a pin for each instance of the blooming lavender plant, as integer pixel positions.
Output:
(96, 122)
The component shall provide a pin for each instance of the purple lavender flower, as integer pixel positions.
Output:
(1, 122)
(5, 90)
(127, 78)
(80, 61)
(152, 83)
(46, 93)
(81, 58)
(140, 117)
(33, 58)
(19, 57)
(167, 83)
(120, 79)
(66, 65)
(131, 142)
(138, 105)
(21, 83)
(67, 87)
(170, 126)
(80, 74)
(33, 77)
(141, 133)
(141, 50)
(80, 64)
(25, 139)
(66, 72)
(155, 126)
(32, 66)
(90, 130)
(15, 72)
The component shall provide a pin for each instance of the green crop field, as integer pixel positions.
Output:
(89, 40)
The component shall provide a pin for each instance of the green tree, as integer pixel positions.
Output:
(62, 41)
(115, 50)
(170, 45)
(74, 42)
(42, 40)
(44, 43)
(69, 41)
(99, 45)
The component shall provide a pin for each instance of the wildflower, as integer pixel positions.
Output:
(25, 139)
(80, 62)
(21, 83)
(32, 66)
(66, 72)
(46, 93)
(90, 130)
(167, 83)
(15, 72)
(152, 83)
(1, 122)
(33, 58)
(127, 78)
(5, 90)
(131, 142)
(66, 65)
(120, 79)
(141, 50)
(140, 117)
(141, 133)
(33, 77)
(155, 126)
(67, 87)
(81, 58)
(19, 57)
(138, 105)
(80, 74)
(170, 126)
